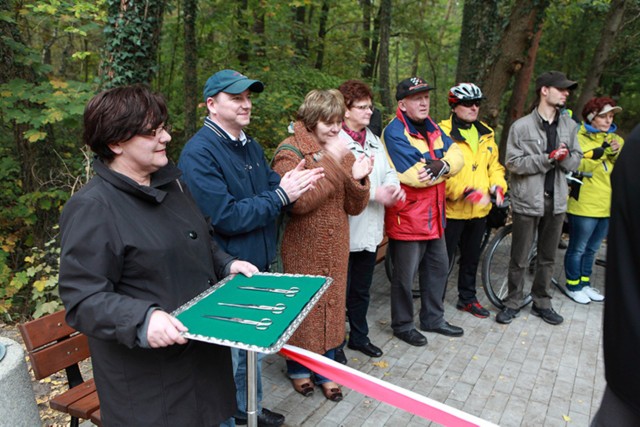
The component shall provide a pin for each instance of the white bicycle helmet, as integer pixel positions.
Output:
(464, 92)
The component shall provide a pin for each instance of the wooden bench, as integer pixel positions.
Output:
(53, 345)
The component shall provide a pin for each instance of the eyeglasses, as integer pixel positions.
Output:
(470, 104)
(155, 132)
(363, 107)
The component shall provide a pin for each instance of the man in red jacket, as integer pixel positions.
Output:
(424, 157)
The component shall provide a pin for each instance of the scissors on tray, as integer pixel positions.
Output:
(260, 325)
(275, 309)
(291, 292)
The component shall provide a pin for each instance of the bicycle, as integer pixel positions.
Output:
(495, 220)
(495, 265)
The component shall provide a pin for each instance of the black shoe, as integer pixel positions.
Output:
(340, 356)
(507, 315)
(446, 329)
(368, 349)
(547, 314)
(474, 308)
(412, 337)
(266, 418)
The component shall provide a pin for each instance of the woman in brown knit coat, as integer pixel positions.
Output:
(316, 240)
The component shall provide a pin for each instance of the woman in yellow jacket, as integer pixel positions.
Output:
(589, 204)
(468, 191)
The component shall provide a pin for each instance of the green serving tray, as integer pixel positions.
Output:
(246, 336)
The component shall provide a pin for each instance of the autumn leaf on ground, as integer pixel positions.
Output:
(381, 364)
(567, 418)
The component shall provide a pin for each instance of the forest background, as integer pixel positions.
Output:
(56, 54)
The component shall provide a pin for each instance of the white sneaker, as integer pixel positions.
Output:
(593, 294)
(579, 296)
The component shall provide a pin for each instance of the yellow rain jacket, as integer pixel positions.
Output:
(594, 195)
(481, 171)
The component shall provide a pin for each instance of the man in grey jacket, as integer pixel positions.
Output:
(541, 148)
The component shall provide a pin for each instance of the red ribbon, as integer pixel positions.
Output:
(382, 390)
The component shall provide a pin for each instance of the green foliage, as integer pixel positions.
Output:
(43, 103)
(571, 33)
(35, 287)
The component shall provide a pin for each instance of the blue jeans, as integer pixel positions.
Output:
(586, 235)
(239, 359)
(298, 371)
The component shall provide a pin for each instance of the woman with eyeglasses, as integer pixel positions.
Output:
(134, 247)
(316, 240)
(468, 193)
(366, 229)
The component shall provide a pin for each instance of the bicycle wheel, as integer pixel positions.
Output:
(495, 268)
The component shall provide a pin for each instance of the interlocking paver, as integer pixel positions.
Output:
(527, 373)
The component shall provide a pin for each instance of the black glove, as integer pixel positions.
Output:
(436, 168)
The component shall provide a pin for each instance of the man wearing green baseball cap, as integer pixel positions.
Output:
(233, 184)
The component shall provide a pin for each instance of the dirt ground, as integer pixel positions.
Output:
(46, 388)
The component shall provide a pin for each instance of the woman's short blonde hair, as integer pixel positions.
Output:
(321, 106)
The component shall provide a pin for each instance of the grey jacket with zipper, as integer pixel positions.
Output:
(528, 162)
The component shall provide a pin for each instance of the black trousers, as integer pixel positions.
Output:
(359, 278)
(466, 233)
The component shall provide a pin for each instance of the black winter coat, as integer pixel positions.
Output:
(127, 248)
(622, 303)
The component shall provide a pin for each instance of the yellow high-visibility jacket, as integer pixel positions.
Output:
(594, 195)
(481, 171)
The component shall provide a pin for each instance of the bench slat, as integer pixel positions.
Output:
(45, 330)
(62, 401)
(58, 356)
(85, 406)
(96, 418)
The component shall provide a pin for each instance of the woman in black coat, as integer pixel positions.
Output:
(134, 248)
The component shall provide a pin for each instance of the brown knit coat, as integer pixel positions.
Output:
(316, 240)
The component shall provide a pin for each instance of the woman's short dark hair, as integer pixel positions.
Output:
(355, 90)
(119, 114)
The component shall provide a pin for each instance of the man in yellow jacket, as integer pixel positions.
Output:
(468, 192)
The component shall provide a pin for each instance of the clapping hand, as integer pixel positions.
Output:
(498, 192)
(389, 195)
(362, 167)
(559, 153)
(476, 197)
(298, 181)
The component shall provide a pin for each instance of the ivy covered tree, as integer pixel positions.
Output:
(132, 35)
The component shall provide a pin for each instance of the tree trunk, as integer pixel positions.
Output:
(601, 55)
(478, 39)
(14, 68)
(516, 107)
(385, 32)
(191, 92)
(132, 35)
(513, 47)
(243, 45)
(259, 28)
(367, 39)
(322, 32)
(298, 34)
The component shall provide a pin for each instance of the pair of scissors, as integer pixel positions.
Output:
(260, 325)
(275, 309)
(291, 292)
